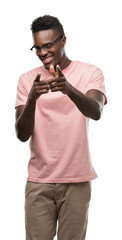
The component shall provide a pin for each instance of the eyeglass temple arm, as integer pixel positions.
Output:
(32, 48)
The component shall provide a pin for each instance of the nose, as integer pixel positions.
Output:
(43, 52)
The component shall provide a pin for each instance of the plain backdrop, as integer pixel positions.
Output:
(94, 35)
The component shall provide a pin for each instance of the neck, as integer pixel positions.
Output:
(65, 61)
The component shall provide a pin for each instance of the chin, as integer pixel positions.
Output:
(47, 66)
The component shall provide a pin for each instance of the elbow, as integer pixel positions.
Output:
(23, 137)
(97, 115)
(97, 118)
(98, 112)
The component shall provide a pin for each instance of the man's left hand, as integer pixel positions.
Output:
(58, 82)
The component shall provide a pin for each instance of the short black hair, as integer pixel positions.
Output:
(47, 22)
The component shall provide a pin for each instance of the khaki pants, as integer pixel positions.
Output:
(47, 203)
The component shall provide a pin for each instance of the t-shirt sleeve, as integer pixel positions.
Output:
(96, 81)
(22, 93)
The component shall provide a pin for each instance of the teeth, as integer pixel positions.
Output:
(48, 59)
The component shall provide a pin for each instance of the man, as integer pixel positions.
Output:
(53, 106)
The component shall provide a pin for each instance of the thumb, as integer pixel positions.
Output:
(37, 79)
(52, 71)
(58, 69)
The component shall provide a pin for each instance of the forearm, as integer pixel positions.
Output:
(25, 122)
(87, 105)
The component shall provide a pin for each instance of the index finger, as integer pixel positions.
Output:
(59, 71)
(52, 71)
(37, 79)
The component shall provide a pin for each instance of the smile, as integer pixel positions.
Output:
(47, 60)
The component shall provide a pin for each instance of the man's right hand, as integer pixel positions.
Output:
(25, 114)
(38, 88)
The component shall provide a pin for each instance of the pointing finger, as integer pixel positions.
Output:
(37, 79)
(52, 71)
(59, 71)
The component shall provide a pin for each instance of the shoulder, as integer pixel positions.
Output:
(84, 66)
(26, 79)
(30, 73)
(89, 66)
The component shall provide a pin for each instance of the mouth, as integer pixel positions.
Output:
(47, 60)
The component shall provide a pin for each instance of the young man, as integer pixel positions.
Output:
(53, 106)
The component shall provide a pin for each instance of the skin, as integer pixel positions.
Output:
(90, 104)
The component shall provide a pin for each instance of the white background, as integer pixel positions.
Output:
(93, 30)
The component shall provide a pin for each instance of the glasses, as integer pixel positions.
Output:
(46, 46)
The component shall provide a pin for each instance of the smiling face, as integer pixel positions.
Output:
(54, 55)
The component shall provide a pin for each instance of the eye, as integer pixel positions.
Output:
(48, 45)
(37, 48)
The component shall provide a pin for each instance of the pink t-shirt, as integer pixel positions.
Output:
(59, 145)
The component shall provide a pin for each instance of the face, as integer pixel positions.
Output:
(55, 54)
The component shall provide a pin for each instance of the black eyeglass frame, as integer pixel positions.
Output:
(46, 45)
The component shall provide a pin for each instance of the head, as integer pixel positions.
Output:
(49, 40)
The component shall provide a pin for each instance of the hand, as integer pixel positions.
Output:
(58, 82)
(39, 88)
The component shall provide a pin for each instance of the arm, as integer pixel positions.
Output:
(25, 120)
(25, 114)
(90, 104)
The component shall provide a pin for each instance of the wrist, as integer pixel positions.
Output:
(31, 100)
(69, 90)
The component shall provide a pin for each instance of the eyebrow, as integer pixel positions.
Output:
(47, 43)
(37, 46)
(42, 44)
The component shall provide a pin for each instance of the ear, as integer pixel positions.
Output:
(63, 41)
